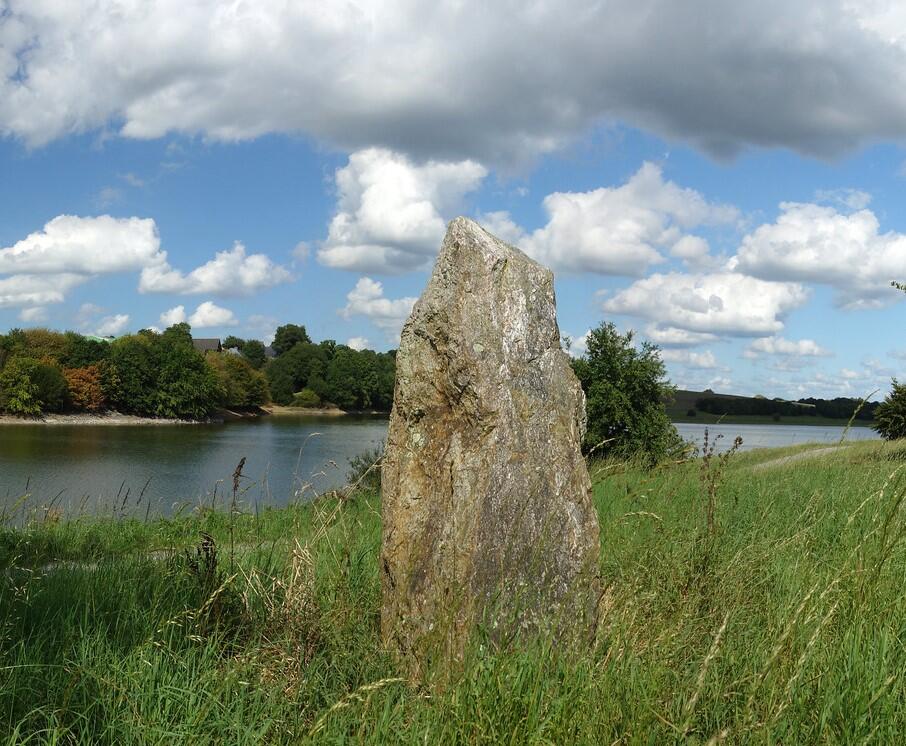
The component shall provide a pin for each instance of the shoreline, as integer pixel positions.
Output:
(107, 418)
(220, 417)
(278, 410)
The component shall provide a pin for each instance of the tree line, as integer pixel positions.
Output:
(162, 374)
(841, 408)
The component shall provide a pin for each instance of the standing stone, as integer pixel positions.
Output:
(487, 509)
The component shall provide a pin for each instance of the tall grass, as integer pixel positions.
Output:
(756, 606)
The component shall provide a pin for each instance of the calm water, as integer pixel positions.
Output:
(769, 436)
(133, 469)
(92, 468)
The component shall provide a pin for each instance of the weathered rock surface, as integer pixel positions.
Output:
(487, 505)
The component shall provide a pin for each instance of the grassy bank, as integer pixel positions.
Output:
(782, 624)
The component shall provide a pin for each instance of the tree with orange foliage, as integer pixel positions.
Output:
(85, 391)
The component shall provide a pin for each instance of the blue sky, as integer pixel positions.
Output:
(731, 190)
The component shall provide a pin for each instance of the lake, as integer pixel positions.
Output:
(165, 468)
(769, 436)
(160, 469)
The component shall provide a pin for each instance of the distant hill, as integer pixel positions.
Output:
(709, 406)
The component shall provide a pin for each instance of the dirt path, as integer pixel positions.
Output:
(783, 460)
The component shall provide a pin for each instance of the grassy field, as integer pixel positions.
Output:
(783, 623)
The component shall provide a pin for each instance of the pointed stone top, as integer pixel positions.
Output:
(465, 231)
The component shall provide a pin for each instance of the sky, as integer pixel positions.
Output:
(724, 179)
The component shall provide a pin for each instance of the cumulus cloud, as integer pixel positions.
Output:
(33, 315)
(358, 343)
(70, 250)
(175, 315)
(231, 272)
(111, 326)
(392, 212)
(719, 303)
(622, 230)
(785, 347)
(424, 77)
(208, 314)
(37, 290)
(95, 245)
(669, 336)
(816, 243)
(703, 360)
(367, 299)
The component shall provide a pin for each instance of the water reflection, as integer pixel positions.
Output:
(91, 468)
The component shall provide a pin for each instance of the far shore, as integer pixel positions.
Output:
(278, 410)
(85, 418)
(118, 418)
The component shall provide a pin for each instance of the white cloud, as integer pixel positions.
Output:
(97, 245)
(704, 360)
(231, 272)
(815, 243)
(33, 315)
(208, 314)
(111, 326)
(785, 347)
(578, 346)
(358, 343)
(852, 199)
(392, 212)
(175, 315)
(718, 303)
(37, 290)
(669, 336)
(814, 76)
(367, 299)
(622, 230)
(70, 250)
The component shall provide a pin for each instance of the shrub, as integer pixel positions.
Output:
(626, 389)
(306, 398)
(890, 416)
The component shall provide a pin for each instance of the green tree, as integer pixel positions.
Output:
(626, 389)
(890, 415)
(81, 352)
(302, 366)
(288, 336)
(253, 351)
(30, 387)
(233, 342)
(241, 385)
(129, 381)
(18, 392)
(186, 387)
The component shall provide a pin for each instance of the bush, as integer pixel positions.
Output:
(890, 416)
(691, 413)
(306, 398)
(626, 390)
